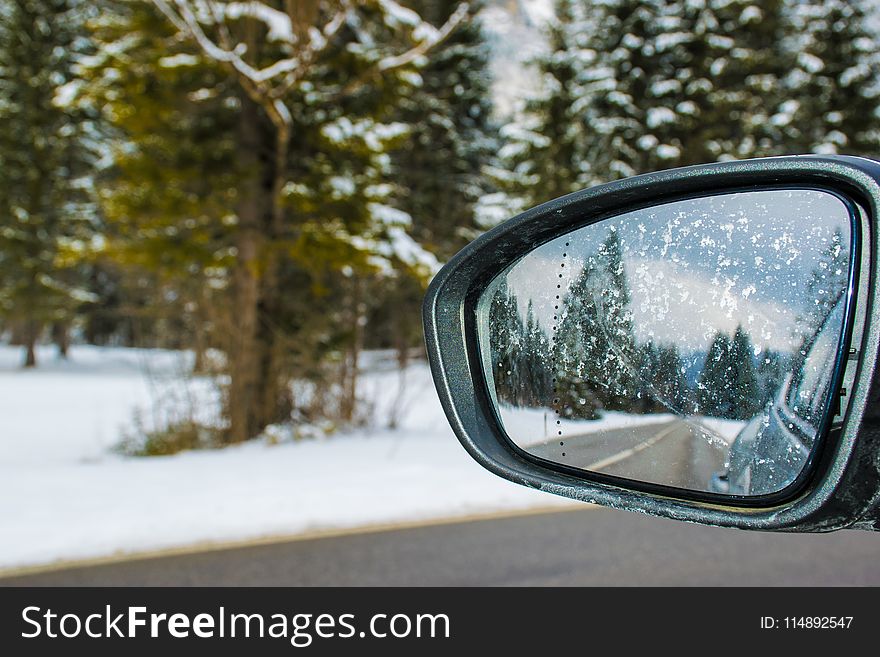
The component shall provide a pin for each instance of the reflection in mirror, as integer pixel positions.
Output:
(690, 345)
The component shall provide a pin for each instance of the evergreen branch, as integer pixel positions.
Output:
(390, 63)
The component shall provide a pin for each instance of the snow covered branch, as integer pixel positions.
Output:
(431, 37)
(306, 31)
(184, 19)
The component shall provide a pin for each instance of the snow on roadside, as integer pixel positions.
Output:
(64, 494)
(77, 410)
(727, 430)
(533, 426)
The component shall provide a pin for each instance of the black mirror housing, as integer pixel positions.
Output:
(842, 488)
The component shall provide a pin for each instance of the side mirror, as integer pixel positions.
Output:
(698, 343)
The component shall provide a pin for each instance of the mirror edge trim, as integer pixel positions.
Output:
(836, 498)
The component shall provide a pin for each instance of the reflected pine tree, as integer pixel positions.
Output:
(536, 376)
(745, 395)
(770, 372)
(663, 387)
(713, 384)
(589, 361)
(672, 385)
(520, 352)
(728, 385)
(595, 349)
(506, 340)
(828, 282)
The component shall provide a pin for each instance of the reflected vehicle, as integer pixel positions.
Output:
(773, 448)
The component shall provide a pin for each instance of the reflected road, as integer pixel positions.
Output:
(675, 453)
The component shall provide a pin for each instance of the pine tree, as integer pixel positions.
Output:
(452, 135)
(169, 195)
(713, 383)
(537, 377)
(835, 85)
(828, 282)
(561, 142)
(439, 169)
(632, 86)
(507, 341)
(733, 76)
(287, 109)
(595, 352)
(728, 384)
(663, 387)
(579, 346)
(670, 385)
(616, 323)
(46, 211)
(513, 178)
(770, 374)
(647, 395)
(548, 152)
(745, 400)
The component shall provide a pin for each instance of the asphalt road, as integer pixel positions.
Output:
(671, 453)
(570, 548)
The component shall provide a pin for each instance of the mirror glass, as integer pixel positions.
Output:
(690, 344)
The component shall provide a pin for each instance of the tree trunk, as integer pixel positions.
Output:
(61, 338)
(350, 370)
(31, 333)
(274, 396)
(199, 360)
(200, 321)
(258, 394)
(243, 352)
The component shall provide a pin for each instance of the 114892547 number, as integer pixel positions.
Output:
(819, 622)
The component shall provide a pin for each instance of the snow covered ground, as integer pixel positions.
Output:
(726, 430)
(533, 426)
(65, 494)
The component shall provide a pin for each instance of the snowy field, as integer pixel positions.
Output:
(66, 494)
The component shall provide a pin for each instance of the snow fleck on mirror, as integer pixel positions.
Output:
(691, 345)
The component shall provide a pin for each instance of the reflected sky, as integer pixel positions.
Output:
(702, 265)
